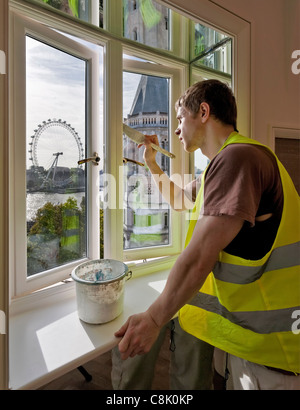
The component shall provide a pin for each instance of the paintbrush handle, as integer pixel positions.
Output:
(162, 151)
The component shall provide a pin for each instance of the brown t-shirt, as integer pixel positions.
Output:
(243, 180)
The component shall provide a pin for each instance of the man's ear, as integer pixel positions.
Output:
(204, 111)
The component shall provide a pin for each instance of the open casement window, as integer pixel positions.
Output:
(91, 11)
(47, 247)
(152, 23)
(211, 58)
(55, 124)
(150, 227)
(210, 49)
(147, 22)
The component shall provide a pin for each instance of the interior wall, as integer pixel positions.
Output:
(3, 196)
(275, 34)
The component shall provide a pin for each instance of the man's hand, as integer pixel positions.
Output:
(149, 153)
(138, 335)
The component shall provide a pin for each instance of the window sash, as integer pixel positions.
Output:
(23, 27)
(113, 111)
(112, 217)
(177, 75)
(113, 25)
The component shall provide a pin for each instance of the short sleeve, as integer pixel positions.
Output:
(234, 183)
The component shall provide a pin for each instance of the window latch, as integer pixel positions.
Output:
(125, 160)
(95, 159)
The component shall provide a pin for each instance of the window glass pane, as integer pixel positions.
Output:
(56, 141)
(146, 109)
(147, 22)
(211, 49)
(86, 10)
(201, 162)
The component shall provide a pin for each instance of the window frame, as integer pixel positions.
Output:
(113, 117)
(115, 45)
(239, 29)
(177, 74)
(22, 27)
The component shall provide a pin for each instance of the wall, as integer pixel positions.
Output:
(275, 34)
(3, 200)
(275, 95)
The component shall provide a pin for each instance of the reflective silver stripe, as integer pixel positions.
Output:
(282, 257)
(263, 322)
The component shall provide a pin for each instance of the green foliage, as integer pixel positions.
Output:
(54, 3)
(58, 4)
(150, 15)
(49, 218)
(48, 245)
(73, 4)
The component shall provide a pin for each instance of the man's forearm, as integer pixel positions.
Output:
(211, 235)
(184, 282)
(172, 193)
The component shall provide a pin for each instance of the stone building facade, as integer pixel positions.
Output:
(146, 215)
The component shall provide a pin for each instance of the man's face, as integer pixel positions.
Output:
(189, 129)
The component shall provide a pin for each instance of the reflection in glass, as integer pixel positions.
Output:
(146, 109)
(56, 185)
(147, 22)
(200, 163)
(86, 10)
(211, 49)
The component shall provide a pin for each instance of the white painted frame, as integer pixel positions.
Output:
(240, 30)
(178, 75)
(283, 131)
(212, 15)
(21, 26)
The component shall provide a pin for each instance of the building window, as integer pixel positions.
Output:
(57, 130)
(56, 185)
(134, 34)
(150, 18)
(62, 208)
(149, 94)
(85, 10)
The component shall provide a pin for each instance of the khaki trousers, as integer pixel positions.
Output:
(191, 365)
(245, 375)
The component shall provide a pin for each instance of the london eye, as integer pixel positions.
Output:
(55, 138)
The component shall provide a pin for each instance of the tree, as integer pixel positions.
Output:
(58, 235)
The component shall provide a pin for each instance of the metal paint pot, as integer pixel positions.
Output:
(100, 289)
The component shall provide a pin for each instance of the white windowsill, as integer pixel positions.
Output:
(49, 341)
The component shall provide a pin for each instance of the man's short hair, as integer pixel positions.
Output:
(217, 95)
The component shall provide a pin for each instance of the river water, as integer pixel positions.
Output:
(36, 200)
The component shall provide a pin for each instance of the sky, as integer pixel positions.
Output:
(55, 90)
(55, 83)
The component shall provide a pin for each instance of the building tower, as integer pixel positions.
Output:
(146, 220)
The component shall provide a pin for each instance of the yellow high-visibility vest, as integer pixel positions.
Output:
(251, 308)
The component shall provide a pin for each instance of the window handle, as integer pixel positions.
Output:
(125, 160)
(95, 159)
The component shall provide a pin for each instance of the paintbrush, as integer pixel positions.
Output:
(139, 138)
